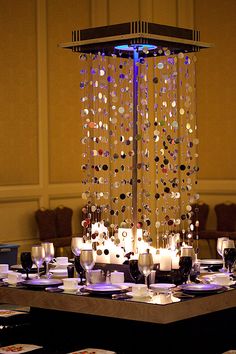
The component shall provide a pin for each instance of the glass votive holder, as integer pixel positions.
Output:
(71, 271)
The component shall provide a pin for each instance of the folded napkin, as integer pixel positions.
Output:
(18, 348)
(92, 351)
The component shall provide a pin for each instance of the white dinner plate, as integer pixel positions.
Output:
(105, 288)
(201, 288)
(42, 283)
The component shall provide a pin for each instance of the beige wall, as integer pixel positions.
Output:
(216, 103)
(40, 154)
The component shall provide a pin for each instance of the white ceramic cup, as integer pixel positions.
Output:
(165, 298)
(95, 276)
(61, 260)
(117, 277)
(14, 277)
(221, 279)
(4, 268)
(70, 283)
(139, 290)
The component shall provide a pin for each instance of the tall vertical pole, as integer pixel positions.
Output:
(135, 147)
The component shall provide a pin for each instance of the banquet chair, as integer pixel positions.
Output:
(226, 216)
(200, 213)
(55, 225)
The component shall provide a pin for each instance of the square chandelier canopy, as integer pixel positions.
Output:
(136, 35)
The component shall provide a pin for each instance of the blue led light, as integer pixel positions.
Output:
(139, 47)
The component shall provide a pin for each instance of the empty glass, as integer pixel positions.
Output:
(38, 255)
(145, 264)
(226, 244)
(26, 262)
(185, 266)
(76, 245)
(134, 270)
(49, 254)
(87, 262)
(230, 258)
(219, 248)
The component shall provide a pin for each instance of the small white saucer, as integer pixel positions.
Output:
(164, 301)
(4, 274)
(130, 293)
(6, 280)
(59, 272)
(161, 286)
(231, 282)
(60, 266)
(71, 290)
(124, 284)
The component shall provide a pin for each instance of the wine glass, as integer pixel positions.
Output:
(226, 244)
(79, 269)
(49, 254)
(26, 262)
(145, 264)
(76, 245)
(134, 270)
(38, 255)
(219, 248)
(87, 262)
(230, 258)
(185, 266)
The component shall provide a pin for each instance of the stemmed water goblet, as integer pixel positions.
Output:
(87, 262)
(230, 258)
(134, 270)
(186, 263)
(229, 254)
(226, 244)
(219, 245)
(49, 254)
(145, 265)
(79, 269)
(76, 245)
(185, 266)
(38, 255)
(26, 262)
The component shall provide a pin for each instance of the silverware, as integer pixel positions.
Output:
(182, 295)
(120, 296)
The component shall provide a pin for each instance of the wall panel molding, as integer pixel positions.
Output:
(42, 78)
(217, 187)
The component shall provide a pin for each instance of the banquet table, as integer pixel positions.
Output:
(120, 309)
(127, 326)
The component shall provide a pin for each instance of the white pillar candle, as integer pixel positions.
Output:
(175, 261)
(165, 259)
(117, 277)
(117, 255)
(152, 278)
(101, 257)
